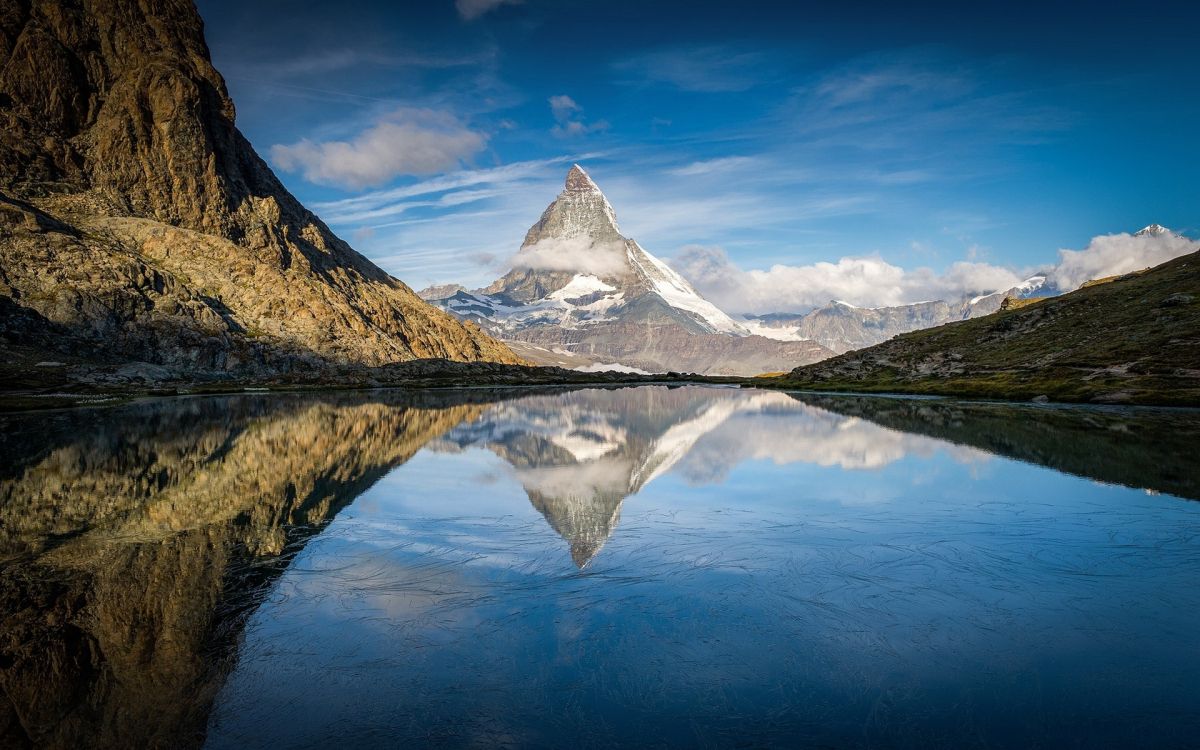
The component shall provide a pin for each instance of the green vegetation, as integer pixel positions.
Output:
(1135, 339)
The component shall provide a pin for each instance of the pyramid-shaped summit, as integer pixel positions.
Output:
(579, 180)
(579, 289)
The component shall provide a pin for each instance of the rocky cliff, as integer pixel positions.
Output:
(137, 223)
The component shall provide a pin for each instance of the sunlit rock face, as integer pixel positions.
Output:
(138, 222)
(580, 286)
(137, 541)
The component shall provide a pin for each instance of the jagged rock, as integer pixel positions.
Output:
(135, 218)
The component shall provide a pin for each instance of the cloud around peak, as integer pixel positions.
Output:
(574, 254)
(1115, 254)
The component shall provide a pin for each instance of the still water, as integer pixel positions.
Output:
(651, 567)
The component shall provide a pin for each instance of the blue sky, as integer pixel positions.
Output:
(727, 136)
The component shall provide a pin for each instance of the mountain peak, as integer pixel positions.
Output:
(1154, 230)
(579, 181)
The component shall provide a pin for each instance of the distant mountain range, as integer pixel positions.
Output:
(582, 291)
(1133, 338)
(842, 327)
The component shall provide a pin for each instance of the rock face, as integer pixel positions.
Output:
(136, 222)
(580, 287)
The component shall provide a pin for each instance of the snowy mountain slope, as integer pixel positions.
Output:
(579, 286)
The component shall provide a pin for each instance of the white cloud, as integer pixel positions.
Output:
(1113, 254)
(563, 106)
(569, 118)
(715, 166)
(871, 281)
(405, 142)
(867, 281)
(711, 69)
(577, 254)
(469, 10)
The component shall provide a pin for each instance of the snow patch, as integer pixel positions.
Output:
(676, 292)
(581, 286)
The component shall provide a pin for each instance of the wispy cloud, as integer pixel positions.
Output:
(405, 142)
(706, 69)
(919, 103)
(469, 10)
(569, 119)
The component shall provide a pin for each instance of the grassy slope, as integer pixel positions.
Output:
(1120, 341)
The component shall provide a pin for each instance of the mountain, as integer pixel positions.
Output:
(581, 287)
(1133, 339)
(138, 224)
(842, 327)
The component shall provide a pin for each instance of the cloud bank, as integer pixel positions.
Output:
(405, 142)
(871, 281)
(1113, 254)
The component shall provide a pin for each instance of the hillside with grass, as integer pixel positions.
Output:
(1134, 339)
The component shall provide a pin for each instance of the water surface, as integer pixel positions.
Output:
(645, 566)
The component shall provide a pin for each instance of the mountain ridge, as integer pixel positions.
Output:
(138, 223)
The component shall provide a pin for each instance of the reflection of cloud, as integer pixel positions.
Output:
(777, 428)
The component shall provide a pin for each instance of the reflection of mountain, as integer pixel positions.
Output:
(138, 540)
(580, 454)
(1147, 448)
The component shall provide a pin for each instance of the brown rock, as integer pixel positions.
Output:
(138, 217)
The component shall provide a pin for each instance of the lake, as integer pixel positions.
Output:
(649, 566)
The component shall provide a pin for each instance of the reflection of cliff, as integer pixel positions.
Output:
(139, 539)
(1130, 447)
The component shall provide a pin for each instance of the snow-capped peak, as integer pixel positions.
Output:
(1154, 230)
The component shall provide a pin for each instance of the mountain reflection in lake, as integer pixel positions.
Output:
(645, 566)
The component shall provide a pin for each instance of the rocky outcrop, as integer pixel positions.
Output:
(138, 222)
